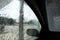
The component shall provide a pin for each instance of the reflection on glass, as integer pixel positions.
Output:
(53, 15)
(9, 21)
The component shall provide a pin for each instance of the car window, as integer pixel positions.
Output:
(53, 15)
(9, 21)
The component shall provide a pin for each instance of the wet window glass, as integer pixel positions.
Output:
(9, 21)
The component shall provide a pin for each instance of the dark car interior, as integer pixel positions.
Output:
(41, 9)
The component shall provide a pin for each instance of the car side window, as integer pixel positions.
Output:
(9, 22)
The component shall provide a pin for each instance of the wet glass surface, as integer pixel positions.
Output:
(9, 21)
